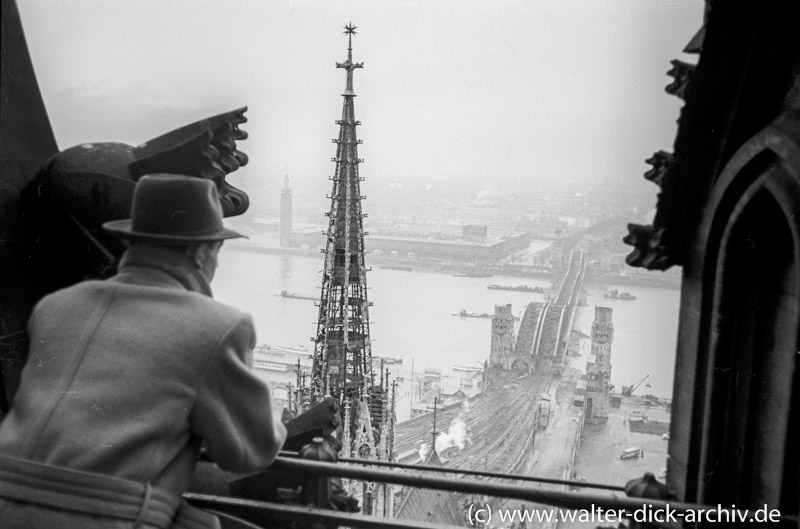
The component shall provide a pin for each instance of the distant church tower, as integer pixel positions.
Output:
(286, 213)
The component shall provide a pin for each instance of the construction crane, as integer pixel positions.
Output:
(627, 391)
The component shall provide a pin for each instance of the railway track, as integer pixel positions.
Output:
(497, 425)
(499, 421)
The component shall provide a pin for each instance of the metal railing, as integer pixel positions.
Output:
(468, 472)
(261, 512)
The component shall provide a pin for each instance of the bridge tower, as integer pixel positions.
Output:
(286, 213)
(598, 372)
(502, 343)
(342, 361)
(602, 336)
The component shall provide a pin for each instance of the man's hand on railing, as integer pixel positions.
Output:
(324, 415)
(340, 500)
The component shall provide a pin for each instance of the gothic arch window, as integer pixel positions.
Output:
(750, 394)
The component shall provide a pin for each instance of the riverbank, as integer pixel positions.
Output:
(270, 246)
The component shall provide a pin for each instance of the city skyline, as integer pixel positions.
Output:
(507, 93)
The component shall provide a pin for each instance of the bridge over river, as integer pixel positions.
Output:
(544, 330)
(500, 422)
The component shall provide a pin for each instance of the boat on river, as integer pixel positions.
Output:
(474, 273)
(402, 268)
(616, 294)
(518, 288)
(469, 369)
(297, 348)
(294, 295)
(281, 358)
(387, 360)
(465, 314)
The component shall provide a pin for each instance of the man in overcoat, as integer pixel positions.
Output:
(127, 377)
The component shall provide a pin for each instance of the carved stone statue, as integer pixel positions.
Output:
(81, 187)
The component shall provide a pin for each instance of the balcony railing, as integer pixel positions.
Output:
(270, 513)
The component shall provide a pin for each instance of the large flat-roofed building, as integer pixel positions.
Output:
(471, 243)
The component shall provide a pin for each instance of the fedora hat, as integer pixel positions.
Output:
(173, 209)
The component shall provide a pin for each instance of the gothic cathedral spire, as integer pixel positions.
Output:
(342, 364)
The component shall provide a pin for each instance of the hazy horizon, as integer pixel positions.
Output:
(514, 93)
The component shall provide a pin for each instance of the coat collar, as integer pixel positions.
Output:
(158, 265)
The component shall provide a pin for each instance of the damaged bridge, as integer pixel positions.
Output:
(497, 427)
(542, 338)
(544, 330)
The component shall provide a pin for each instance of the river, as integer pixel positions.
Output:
(413, 314)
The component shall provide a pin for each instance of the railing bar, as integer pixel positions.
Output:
(570, 500)
(563, 499)
(467, 472)
(254, 512)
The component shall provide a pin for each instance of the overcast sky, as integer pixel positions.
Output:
(501, 91)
